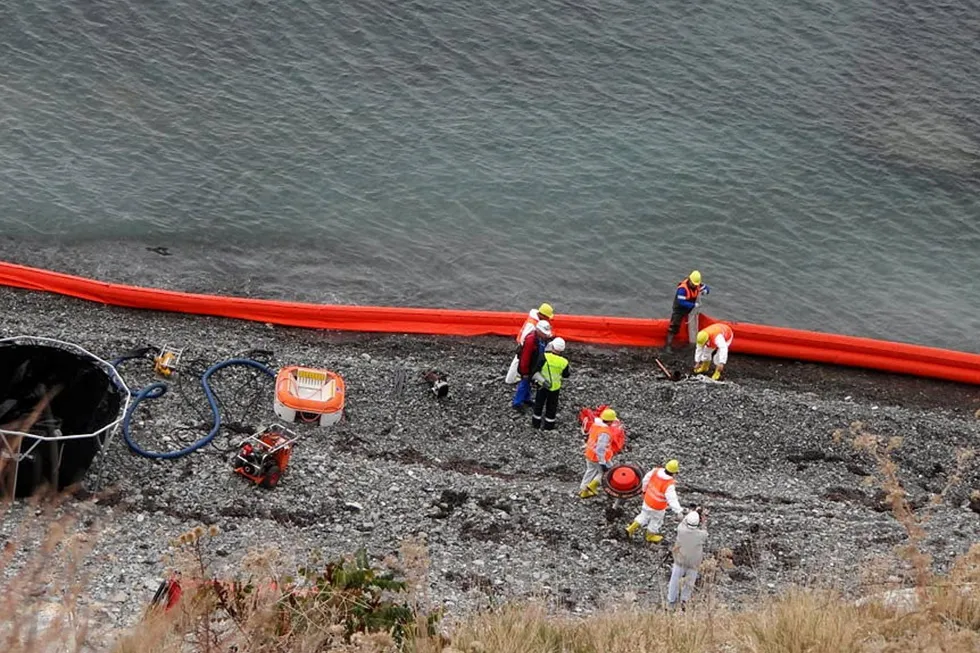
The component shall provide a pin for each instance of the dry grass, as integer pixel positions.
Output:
(939, 613)
(945, 618)
(797, 622)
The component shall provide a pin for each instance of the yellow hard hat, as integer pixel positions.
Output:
(608, 415)
(672, 466)
(702, 337)
(546, 310)
(695, 277)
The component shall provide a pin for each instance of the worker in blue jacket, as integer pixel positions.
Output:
(685, 299)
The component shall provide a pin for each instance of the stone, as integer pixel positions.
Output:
(372, 480)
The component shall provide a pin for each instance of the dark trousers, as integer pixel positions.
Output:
(547, 401)
(677, 316)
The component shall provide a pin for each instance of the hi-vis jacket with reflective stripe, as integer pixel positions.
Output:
(598, 444)
(554, 368)
(655, 495)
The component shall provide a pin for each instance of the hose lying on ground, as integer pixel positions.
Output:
(134, 354)
(158, 389)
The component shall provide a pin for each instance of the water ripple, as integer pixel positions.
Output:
(820, 162)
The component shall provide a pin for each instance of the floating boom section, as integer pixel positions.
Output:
(752, 339)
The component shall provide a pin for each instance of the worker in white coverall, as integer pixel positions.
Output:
(688, 553)
(713, 341)
(659, 493)
(606, 439)
(543, 312)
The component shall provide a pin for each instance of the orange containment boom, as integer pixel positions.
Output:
(749, 338)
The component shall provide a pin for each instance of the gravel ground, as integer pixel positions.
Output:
(495, 500)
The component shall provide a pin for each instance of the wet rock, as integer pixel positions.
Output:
(810, 455)
(857, 470)
(975, 501)
(741, 575)
(745, 554)
(877, 501)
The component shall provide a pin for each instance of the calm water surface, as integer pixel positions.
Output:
(818, 161)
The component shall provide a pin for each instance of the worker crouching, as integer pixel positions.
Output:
(713, 342)
(659, 493)
(548, 378)
(606, 438)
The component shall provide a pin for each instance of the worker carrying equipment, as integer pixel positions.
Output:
(529, 361)
(605, 440)
(587, 416)
(543, 312)
(659, 493)
(713, 341)
(686, 299)
(548, 378)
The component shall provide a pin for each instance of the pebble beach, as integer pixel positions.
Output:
(770, 453)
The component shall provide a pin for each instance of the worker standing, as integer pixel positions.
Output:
(713, 342)
(686, 298)
(606, 439)
(659, 493)
(688, 553)
(543, 312)
(532, 350)
(554, 368)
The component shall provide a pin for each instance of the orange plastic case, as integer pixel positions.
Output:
(308, 394)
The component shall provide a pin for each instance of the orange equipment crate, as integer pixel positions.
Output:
(308, 394)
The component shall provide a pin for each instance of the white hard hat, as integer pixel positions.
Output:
(544, 328)
(557, 345)
(692, 518)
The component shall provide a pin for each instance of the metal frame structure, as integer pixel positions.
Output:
(167, 360)
(7, 437)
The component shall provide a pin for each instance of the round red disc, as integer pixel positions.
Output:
(624, 479)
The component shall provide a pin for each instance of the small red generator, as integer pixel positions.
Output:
(263, 457)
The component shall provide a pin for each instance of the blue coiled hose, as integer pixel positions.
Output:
(131, 356)
(157, 390)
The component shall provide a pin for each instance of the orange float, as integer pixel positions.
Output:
(623, 481)
(309, 395)
(752, 339)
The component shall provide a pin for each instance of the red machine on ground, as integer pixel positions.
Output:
(263, 457)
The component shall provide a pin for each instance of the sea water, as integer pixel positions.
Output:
(817, 160)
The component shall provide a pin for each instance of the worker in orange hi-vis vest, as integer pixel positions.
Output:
(543, 312)
(606, 439)
(659, 493)
(713, 341)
